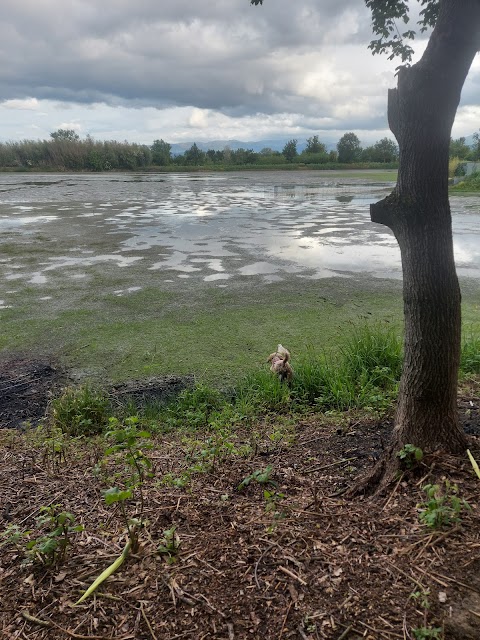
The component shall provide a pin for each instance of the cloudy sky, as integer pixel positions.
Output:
(200, 70)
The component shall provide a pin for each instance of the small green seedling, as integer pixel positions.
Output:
(272, 498)
(422, 598)
(442, 508)
(425, 632)
(131, 443)
(49, 548)
(262, 477)
(410, 456)
(170, 543)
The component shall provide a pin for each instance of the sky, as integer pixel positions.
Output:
(185, 70)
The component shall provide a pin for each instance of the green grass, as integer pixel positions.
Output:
(469, 183)
(360, 371)
(217, 335)
(470, 359)
(81, 411)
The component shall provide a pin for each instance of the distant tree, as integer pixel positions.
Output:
(68, 135)
(385, 150)
(194, 155)
(289, 151)
(315, 146)
(227, 154)
(244, 156)
(161, 153)
(459, 149)
(475, 152)
(211, 155)
(349, 149)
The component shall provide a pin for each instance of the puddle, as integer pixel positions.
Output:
(211, 228)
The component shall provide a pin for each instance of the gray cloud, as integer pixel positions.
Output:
(290, 65)
(221, 55)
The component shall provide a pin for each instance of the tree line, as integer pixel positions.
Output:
(66, 151)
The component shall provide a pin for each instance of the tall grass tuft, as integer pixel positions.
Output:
(364, 372)
(194, 407)
(372, 352)
(263, 392)
(470, 356)
(81, 411)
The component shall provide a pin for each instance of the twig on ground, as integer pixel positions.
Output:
(292, 575)
(285, 620)
(343, 635)
(147, 621)
(327, 466)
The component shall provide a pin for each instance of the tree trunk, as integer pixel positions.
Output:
(421, 111)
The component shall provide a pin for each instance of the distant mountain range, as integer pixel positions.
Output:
(257, 145)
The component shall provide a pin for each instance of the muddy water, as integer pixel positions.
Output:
(128, 231)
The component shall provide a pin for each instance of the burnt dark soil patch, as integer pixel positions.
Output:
(27, 386)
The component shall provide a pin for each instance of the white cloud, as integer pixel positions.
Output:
(198, 118)
(27, 104)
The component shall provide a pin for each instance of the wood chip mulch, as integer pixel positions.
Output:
(300, 562)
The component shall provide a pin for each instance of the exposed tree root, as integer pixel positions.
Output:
(376, 481)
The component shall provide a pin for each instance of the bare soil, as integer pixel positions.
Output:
(305, 563)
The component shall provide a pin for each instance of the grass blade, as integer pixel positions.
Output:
(474, 463)
(107, 573)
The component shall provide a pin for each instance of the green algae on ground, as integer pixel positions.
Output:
(214, 334)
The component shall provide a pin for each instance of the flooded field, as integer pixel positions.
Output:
(78, 251)
(218, 229)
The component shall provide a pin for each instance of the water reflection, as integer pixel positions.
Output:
(208, 228)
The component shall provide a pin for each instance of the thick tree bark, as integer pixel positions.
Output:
(421, 111)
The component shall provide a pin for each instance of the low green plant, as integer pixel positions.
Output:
(469, 183)
(263, 392)
(272, 498)
(410, 456)
(170, 543)
(171, 480)
(47, 543)
(193, 407)
(422, 598)
(80, 411)
(129, 445)
(261, 476)
(425, 632)
(52, 442)
(205, 453)
(372, 351)
(443, 506)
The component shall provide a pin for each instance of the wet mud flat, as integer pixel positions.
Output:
(119, 270)
(129, 232)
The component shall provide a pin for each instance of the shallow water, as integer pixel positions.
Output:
(210, 229)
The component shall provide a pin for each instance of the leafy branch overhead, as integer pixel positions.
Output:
(386, 15)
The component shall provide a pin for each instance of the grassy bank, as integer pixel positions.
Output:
(360, 371)
(215, 334)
